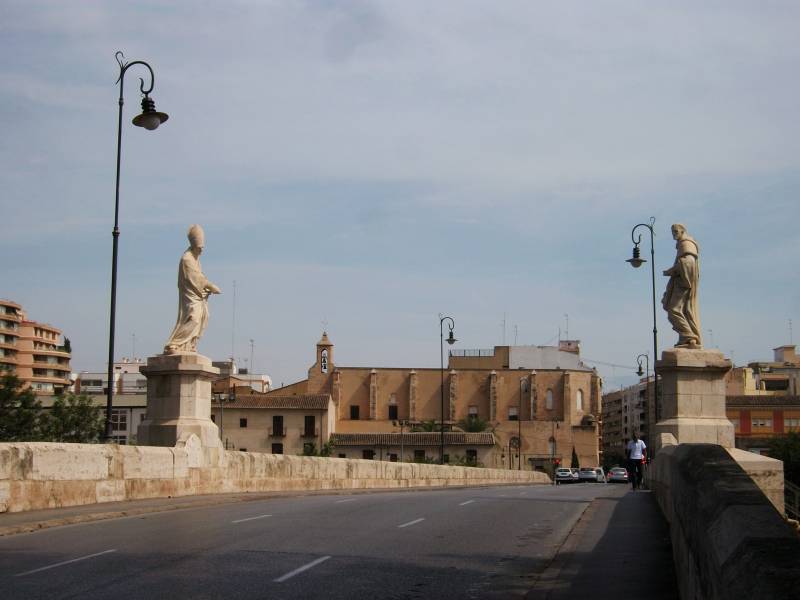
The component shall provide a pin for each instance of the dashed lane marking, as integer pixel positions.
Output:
(299, 570)
(65, 562)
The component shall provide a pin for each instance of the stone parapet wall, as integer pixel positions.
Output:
(728, 541)
(48, 475)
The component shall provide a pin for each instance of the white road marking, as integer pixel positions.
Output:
(251, 518)
(345, 500)
(299, 570)
(467, 502)
(414, 522)
(66, 562)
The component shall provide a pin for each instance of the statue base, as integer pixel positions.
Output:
(178, 400)
(693, 397)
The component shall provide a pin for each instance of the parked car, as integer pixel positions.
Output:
(565, 476)
(593, 474)
(618, 475)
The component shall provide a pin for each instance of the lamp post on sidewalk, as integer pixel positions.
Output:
(450, 340)
(636, 261)
(149, 119)
(523, 387)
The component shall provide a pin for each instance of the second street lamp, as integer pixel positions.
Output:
(636, 261)
(149, 119)
(450, 340)
(646, 373)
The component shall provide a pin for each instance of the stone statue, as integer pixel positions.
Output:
(193, 292)
(680, 297)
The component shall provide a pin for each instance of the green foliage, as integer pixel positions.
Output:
(465, 461)
(310, 449)
(474, 424)
(19, 411)
(426, 426)
(428, 460)
(575, 463)
(73, 419)
(787, 449)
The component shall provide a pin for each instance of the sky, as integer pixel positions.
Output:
(365, 166)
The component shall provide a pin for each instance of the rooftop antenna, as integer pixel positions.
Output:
(566, 333)
(325, 324)
(504, 328)
(791, 341)
(252, 368)
(233, 326)
(133, 337)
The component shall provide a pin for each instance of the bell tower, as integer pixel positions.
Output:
(320, 375)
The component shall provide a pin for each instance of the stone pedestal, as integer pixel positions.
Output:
(693, 397)
(178, 400)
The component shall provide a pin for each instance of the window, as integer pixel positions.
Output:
(446, 459)
(308, 448)
(393, 412)
(277, 425)
(368, 454)
(242, 422)
(791, 423)
(551, 446)
(579, 400)
(119, 419)
(277, 448)
(472, 412)
(393, 458)
(309, 424)
(342, 455)
(472, 456)
(119, 439)
(419, 455)
(512, 413)
(242, 449)
(354, 413)
(548, 402)
(761, 422)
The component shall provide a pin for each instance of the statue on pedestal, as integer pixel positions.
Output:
(193, 292)
(680, 297)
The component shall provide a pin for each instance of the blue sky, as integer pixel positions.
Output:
(374, 164)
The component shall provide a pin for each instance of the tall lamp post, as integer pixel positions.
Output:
(636, 261)
(450, 340)
(149, 119)
(523, 387)
(646, 373)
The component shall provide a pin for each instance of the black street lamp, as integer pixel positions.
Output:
(523, 387)
(636, 262)
(646, 373)
(149, 119)
(450, 340)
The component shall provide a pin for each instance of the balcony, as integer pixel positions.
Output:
(38, 364)
(309, 433)
(52, 352)
(277, 431)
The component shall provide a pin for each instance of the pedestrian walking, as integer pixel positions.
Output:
(635, 451)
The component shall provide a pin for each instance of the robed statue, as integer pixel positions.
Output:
(193, 292)
(680, 297)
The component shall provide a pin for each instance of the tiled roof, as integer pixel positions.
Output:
(304, 402)
(766, 401)
(451, 438)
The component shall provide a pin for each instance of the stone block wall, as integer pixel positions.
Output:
(48, 475)
(728, 540)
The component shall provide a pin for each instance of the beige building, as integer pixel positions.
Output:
(625, 412)
(35, 352)
(521, 392)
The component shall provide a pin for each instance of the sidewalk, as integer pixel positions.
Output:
(619, 549)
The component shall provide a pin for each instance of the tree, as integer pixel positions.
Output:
(426, 426)
(19, 411)
(473, 424)
(787, 449)
(575, 464)
(73, 419)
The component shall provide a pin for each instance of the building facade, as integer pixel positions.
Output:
(625, 412)
(762, 399)
(534, 412)
(36, 353)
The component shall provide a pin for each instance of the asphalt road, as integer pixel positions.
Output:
(459, 543)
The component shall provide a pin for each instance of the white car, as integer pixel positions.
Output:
(566, 476)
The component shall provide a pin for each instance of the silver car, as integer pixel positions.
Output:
(593, 474)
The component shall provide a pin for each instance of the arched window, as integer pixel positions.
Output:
(548, 401)
(579, 400)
